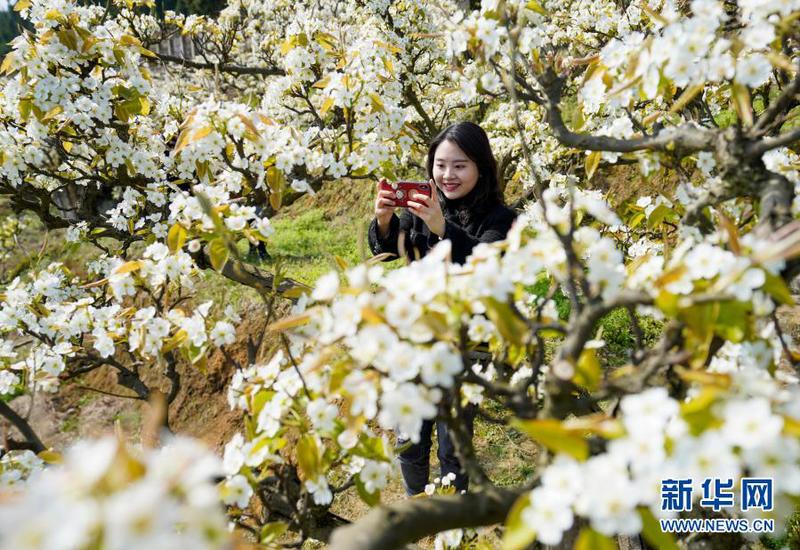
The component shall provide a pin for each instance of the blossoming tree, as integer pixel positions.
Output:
(278, 102)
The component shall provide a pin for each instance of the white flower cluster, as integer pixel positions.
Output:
(355, 71)
(70, 79)
(343, 107)
(690, 50)
(636, 54)
(375, 346)
(108, 496)
(291, 388)
(660, 442)
(56, 317)
(85, 75)
(17, 467)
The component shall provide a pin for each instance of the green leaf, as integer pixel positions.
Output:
(553, 435)
(147, 53)
(668, 303)
(260, 399)
(588, 371)
(127, 267)
(791, 426)
(326, 105)
(6, 66)
(25, 106)
(688, 94)
(288, 44)
(290, 322)
(511, 327)
(309, 460)
(370, 448)
(701, 319)
(652, 533)
(211, 212)
(52, 113)
(536, 6)
(734, 321)
(174, 341)
(275, 179)
(119, 55)
(636, 220)
(776, 287)
(275, 199)
(377, 103)
(703, 377)
(658, 215)
(144, 106)
(197, 356)
(589, 539)
(437, 322)
(518, 535)
(68, 38)
(124, 110)
(592, 162)
(371, 499)
(121, 112)
(129, 40)
(697, 412)
(176, 237)
(51, 457)
(272, 530)
(218, 253)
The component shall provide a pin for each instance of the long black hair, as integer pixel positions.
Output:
(471, 139)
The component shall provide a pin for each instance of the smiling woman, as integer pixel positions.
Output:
(455, 173)
(467, 208)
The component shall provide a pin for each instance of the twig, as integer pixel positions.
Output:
(89, 388)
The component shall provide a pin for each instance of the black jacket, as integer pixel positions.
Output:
(419, 240)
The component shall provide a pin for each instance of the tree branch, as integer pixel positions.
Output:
(253, 277)
(758, 148)
(402, 522)
(22, 426)
(782, 103)
(686, 136)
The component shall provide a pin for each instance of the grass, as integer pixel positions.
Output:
(70, 423)
(308, 245)
(617, 332)
(507, 455)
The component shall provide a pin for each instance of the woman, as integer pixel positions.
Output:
(467, 208)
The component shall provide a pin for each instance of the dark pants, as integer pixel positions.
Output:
(415, 460)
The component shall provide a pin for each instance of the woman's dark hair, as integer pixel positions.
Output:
(471, 139)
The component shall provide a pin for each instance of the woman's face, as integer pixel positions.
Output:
(453, 171)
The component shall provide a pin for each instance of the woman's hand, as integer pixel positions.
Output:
(384, 208)
(429, 209)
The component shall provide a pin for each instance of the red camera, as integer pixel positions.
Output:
(404, 189)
